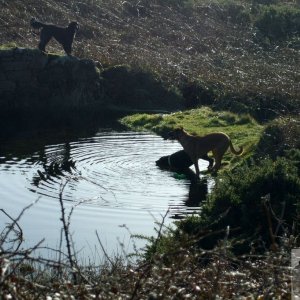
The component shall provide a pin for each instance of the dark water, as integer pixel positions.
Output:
(110, 179)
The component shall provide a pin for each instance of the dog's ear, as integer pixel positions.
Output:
(32, 21)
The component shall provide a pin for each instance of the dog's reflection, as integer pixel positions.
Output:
(180, 162)
(197, 193)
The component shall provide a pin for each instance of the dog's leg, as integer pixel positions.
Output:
(211, 163)
(195, 161)
(218, 154)
(44, 40)
(217, 164)
(210, 160)
(67, 47)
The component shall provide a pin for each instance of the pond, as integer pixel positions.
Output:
(107, 175)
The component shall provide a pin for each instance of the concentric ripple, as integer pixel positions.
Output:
(112, 175)
(115, 169)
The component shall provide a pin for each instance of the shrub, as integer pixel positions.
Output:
(267, 2)
(250, 195)
(253, 201)
(279, 136)
(262, 107)
(279, 22)
(172, 2)
(135, 88)
(236, 13)
(197, 93)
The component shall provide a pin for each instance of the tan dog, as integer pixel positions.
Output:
(196, 146)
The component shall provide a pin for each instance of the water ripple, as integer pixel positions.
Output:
(112, 175)
(110, 169)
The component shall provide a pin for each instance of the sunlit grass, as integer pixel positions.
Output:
(242, 129)
(8, 46)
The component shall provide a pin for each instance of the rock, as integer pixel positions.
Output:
(32, 80)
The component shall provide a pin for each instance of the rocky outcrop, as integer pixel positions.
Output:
(31, 80)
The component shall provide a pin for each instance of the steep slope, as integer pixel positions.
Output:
(212, 44)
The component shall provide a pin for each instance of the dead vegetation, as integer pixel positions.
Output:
(185, 272)
(212, 42)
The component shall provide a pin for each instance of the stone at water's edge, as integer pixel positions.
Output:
(30, 79)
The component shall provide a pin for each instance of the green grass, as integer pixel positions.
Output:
(242, 129)
(8, 46)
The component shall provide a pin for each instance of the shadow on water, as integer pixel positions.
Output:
(23, 134)
(46, 128)
(198, 188)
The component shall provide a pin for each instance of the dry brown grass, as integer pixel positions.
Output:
(200, 41)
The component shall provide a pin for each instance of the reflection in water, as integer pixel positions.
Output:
(111, 171)
(55, 167)
(197, 193)
(198, 188)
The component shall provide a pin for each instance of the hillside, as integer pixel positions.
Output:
(199, 46)
(238, 55)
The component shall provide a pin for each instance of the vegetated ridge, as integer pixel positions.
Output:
(226, 53)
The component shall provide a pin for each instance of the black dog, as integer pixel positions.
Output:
(64, 36)
(179, 160)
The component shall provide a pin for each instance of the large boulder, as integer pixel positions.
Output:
(32, 80)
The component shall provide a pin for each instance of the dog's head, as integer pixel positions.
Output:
(73, 26)
(35, 24)
(163, 162)
(176, 134)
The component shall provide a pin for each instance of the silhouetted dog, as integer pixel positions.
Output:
(64, 36)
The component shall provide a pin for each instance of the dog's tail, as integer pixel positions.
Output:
(36, 24)
(236, 152)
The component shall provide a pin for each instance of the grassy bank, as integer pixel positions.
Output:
(243, 129)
